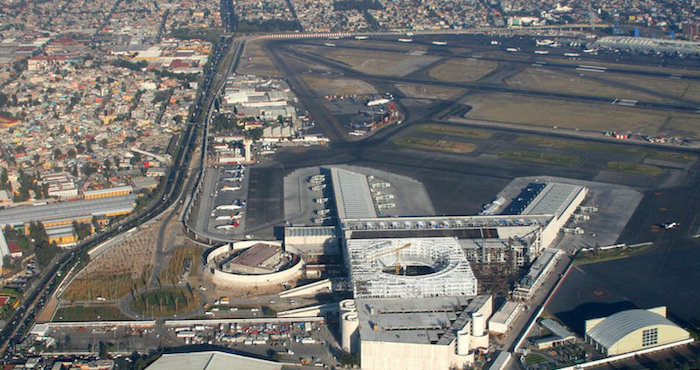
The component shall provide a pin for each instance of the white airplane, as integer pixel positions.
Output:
(231, 188)
(227, 227)
(230, 207)
(671, 225)
(223, 218)
(232, 179)
(545, 42)
(439, 43)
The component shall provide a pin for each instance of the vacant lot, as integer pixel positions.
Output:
(254, 61)
(550, 80)
(434, 145)
(465, 132)
(117, 271)
(462, 70)
(633, 168)
(540, 157)
(586, 116)
(595, 256)
(381, 63)
(338, 86)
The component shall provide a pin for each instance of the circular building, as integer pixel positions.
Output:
(253, 263)
(633, 330)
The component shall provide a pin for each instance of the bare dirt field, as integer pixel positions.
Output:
(118, 270)
(685, 89)
(462, 70)
(381, 63)
(338, 86)
(254, 61)
(585, 116)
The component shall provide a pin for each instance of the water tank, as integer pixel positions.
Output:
(349, 324)
(463, 342)
(478, 324)
(346, 305)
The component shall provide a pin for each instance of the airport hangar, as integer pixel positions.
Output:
(431, 317)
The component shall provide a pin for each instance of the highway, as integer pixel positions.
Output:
(27, 311)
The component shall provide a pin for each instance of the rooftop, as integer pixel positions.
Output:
(553, 200)
(353, 198)
(211, 360)
(21, 215)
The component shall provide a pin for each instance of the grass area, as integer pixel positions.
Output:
(594, 256)
(545, 141)
(108, 286)
(338, 86)
(539, 157)
(465, 132)
(165, 302)
(174, 270)
(434, 145)
(633, 168)
(462, 70)
(550, 80)
(535, 358)
(534, 111)
(382, 63)
(89, 313)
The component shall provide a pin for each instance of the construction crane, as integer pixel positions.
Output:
(397, 267)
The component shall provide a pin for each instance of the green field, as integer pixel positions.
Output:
(89, 313)
(434, 145)
(165, 302)
(538, 157)
(633, 168)
(465, 132)
(549, 142)
(608, 255)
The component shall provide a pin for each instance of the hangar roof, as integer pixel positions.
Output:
(617, 326)
(20, 215)
(353, 198)
(211, 360)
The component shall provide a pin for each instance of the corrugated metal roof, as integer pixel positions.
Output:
(211, 360)
(617, 326)
(553, 200)
(352, 196)
(19, 215)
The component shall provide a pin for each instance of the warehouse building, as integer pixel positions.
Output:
(108, 192)
(633, 330)
(77, 210)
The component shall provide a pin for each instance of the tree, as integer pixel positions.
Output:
(57, 153)
(72, 153)
(255, 133)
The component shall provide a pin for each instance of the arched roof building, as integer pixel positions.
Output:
(633, 330)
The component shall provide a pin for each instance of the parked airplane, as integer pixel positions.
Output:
(231, 188)
(232, 179)
(233, 207)
(226, 227)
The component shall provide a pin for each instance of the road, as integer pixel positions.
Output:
(27, 311)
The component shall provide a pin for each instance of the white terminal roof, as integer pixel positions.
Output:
(20, 215)
(617, 326)
(371, 263)
(553, 199)
(420, 320)
(352, 196)
(211, 360)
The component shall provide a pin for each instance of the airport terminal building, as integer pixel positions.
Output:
(416, 301)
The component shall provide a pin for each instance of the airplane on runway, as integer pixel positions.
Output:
(231, 188)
